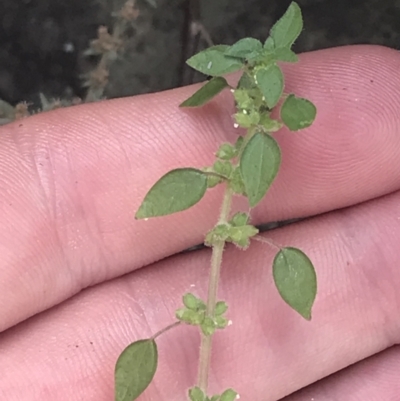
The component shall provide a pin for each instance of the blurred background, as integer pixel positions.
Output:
(45, 44)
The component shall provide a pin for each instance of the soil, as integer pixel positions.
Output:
(42, 41)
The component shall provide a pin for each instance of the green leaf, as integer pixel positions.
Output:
(207, 92)
(285, 54)
(295, 279)
(288, 28)
(177, 190)
(271, 82)
(228, 395)
(196, 394)
(259, 166)
(245, 48)
(135, 369)
(297, 113)
(269, 44)
(214, 62)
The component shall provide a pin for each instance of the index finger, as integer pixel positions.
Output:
(72, 179)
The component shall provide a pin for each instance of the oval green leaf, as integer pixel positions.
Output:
(270, 80)
(214, 62)
(297, 113)
(135, 369)
(177, 190)
(206, 92)
(288, 28)
(245, 48)
(259, 165)
(295, 279)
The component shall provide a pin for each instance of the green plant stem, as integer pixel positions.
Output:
(216, 261)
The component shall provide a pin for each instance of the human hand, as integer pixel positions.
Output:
(79, 277)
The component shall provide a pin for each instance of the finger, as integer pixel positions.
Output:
(267, 353)
(72, 179)
(374, 379)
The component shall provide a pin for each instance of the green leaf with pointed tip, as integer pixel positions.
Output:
(288, 28)
(269, 44)
(297, 113)
(245, 48)
(259, 166)
(271, 82)
(206, 93)
(214, 62)
(285, 54)
(228, 395)
(295, 279)
(135, 369)
(177, 190)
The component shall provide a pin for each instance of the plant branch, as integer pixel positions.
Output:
(216, 261)
(165, 329)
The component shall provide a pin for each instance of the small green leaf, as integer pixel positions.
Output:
(220, 308)
(288, 28)
(177, 190)
(228, 395)
(135, 369)
(207, 92)
(196, 394)
(297, 113)
(245, 48)
(259, 166)
(285, 54)
(214, 397)
(271, 82)
(214, 62)
(295, 279)
(269, 44)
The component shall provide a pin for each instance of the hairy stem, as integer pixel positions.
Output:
(216, 261)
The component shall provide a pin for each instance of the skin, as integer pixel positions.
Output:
(80, 278)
